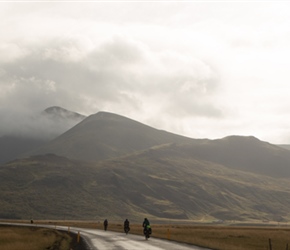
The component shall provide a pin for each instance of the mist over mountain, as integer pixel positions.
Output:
(56, 121)
(63, 115)
(14, 146)
(28, 133)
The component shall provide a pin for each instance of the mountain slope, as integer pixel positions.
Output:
(106, 135)
(243, 153)
(286, 146)
(138, 171)
(173, 183)
(157, 183)
(48, 187)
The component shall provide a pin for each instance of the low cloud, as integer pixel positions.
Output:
(200, 69)
(120, 75)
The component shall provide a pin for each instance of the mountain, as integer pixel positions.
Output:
(244, 153)
(54, 121)
(161, 183)
(106, 135)
(112, 166)
(59, 113)
(170, 182)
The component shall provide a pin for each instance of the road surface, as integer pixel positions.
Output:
(106, 240)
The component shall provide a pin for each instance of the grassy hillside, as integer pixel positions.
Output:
(244, 153)
(169, 182)
(45, 186)
(158, 183)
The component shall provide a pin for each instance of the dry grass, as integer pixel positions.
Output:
(26, 238)
(214, 237)
(227, 238)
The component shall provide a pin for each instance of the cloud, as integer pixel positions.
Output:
(121, 75)
(199, 69)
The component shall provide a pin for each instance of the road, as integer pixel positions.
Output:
(106, 240)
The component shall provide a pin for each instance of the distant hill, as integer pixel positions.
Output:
(244, 153)
(111, 166)
(54, 120)
(286, 146)
(160, 183)
(107, 135)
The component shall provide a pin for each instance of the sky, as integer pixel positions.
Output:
(203, 69)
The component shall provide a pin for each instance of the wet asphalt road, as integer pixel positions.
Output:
(106, 240)
(96, 239)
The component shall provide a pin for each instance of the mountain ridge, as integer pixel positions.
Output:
(111, 166)
(106, 135)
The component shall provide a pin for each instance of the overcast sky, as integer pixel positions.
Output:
(200, 69)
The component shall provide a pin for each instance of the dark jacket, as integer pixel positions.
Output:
(146, 223)
(126, 223)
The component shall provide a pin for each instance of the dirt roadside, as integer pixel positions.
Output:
(75, 245)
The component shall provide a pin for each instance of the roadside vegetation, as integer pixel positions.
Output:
(227, 238)
(220, 237)
(215, 237)
(33, 238)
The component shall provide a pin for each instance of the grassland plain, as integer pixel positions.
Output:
(33, 238)
(217, 237)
